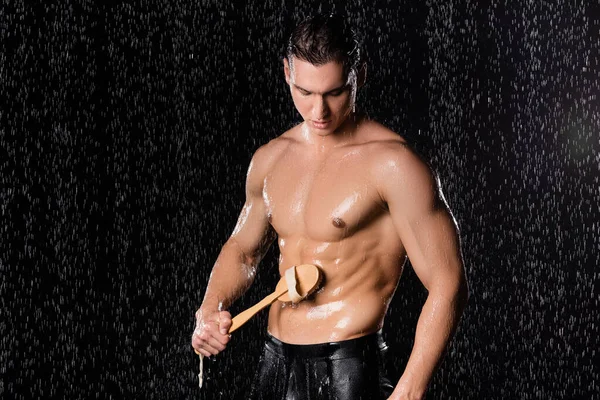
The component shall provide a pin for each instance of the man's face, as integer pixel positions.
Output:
(323, 95)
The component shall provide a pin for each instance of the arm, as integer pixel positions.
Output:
(430, 237)
(235, 267)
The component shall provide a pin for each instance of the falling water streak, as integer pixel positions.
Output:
(116, 179)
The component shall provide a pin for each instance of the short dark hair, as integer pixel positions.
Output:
(324, 38)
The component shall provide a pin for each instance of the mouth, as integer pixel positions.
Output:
(320, 124)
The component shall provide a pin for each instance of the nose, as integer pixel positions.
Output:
(320, 108)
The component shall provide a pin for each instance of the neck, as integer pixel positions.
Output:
(341, 136)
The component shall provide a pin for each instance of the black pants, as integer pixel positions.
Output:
(347, 370)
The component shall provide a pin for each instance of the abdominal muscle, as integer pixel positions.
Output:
(354, 295)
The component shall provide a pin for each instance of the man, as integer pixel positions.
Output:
(342, 192)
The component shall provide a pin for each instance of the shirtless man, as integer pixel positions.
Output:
(342, 192)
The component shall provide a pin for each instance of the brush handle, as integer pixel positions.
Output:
(244, 316)
(308, 278)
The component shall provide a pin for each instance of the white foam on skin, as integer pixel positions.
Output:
(290, 280)
(198, 329)
(201, 373)
(321, 248)
(343, 323)
(346, 205)
(325, 310)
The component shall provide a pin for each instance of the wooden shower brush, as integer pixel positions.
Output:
(297, 283)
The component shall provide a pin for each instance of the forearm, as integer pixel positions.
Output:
(436, 325)
(232, 274)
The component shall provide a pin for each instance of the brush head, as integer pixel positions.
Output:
(308, 278)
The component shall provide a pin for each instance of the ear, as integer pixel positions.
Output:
(362, 75)
(286, 70)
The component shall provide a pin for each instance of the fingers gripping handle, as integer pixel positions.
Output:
(240, 320)
(289, 287)
(245, 316)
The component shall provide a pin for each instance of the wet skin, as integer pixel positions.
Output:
(327, 211)
(345, 193)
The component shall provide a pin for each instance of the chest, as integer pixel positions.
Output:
(325, 199)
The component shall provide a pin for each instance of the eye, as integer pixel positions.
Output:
(337, 92)
(303, 92)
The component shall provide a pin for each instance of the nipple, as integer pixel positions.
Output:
(338, 222)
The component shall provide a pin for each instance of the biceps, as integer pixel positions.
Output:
(432, 245)
(253, 233)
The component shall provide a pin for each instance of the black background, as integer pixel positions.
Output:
(126, 132)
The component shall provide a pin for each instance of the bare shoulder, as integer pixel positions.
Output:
(395, 165)
(390, 152)
(372, 132)
(267, 155)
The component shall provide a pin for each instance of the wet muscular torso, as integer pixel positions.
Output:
(327, 211)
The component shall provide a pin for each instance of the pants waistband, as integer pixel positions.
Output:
(364, 345)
